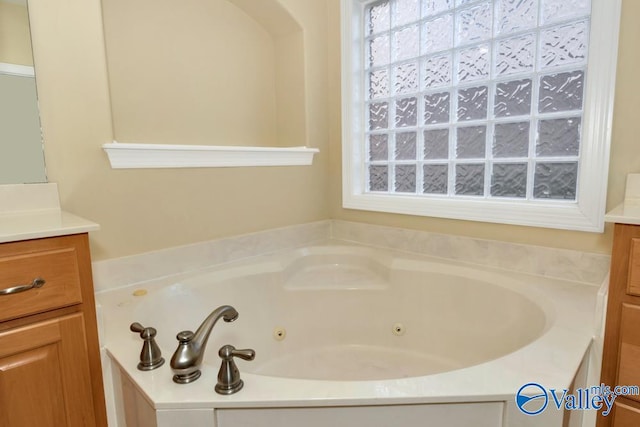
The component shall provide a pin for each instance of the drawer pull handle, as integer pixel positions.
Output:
(38, 282)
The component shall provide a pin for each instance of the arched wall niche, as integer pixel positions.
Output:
(271, 14)
(205, 73)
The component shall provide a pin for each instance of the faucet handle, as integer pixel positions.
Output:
(150, 356)
(229, 381)
(228, 351)
(145, 333)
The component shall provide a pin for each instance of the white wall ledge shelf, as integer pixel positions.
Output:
(17, 70)
(147, 156)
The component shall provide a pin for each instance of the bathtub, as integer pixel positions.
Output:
(354, 336)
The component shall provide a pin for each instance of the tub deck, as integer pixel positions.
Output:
(553, 357)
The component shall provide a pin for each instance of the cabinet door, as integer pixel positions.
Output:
(44, 375)
(633, 283)
(625, 415)
(629, 353)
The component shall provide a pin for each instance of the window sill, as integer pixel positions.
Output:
(547, 214)
(146, 156)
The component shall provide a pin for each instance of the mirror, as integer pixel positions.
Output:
(21, 149)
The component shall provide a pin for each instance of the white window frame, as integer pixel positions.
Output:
(585, 214)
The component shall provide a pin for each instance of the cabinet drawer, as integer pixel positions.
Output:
(54, 260)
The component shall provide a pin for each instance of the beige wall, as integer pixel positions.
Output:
(625, 153)
(195, 72)
(144, 210)
(15, 41)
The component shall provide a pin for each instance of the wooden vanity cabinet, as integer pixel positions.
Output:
(621, 356)
(50, 371)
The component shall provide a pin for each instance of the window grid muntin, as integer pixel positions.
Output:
(454, 87)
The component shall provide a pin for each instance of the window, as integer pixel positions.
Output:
(490, 110)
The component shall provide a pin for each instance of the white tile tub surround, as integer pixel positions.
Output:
(537, 260)
(118, 272)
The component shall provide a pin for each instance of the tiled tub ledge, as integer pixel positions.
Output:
(118, 272)
(554, 263)
(561, 264)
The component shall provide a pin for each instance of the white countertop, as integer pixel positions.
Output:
(32, 211)
(627, 212)
(39, 224)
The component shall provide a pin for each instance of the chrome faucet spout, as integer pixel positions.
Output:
(199, 342)
(187, 358)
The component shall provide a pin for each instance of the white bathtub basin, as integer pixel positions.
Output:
(339, 306)
(361, 327)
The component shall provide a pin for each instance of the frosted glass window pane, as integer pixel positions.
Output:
(513, 98)
(405, 178)
(556, 181)
(406, 112)
(379, 51)
(437, 71)
(560, 10)
(436, 144)
(472, 103)
(474, 24)
(436, 180)
(561, 92)
(516, 55)
(378, 178)
(471, 142)
(558, 137)
(438, 34)
(406, 78)
(406, 11)
(564, 45)
(406, 43)
(473, 63)
(406, 146)
(511, 139)
(379, 18)
(516, 15)
(437, 49)
(509, 180)
(378, 84)
(378, 115)
(436, 108)
(431, 7)
(378, 147)
(470, 179)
